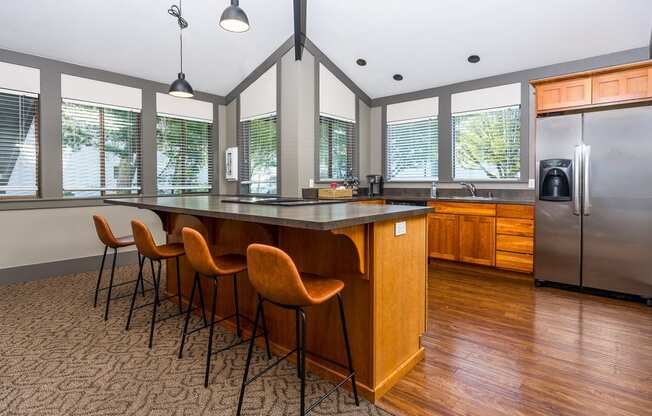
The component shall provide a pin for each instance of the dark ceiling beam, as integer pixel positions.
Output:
(299, 27)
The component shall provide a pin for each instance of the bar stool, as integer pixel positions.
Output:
(105, 234)
(214, 267)
(155, 253)
(276, 279)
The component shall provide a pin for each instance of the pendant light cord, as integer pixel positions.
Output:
(175, 11)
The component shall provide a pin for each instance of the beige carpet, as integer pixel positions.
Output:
(58, 357)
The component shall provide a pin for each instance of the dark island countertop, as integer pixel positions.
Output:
(314, 217)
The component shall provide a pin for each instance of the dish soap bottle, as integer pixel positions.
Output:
(433, 190)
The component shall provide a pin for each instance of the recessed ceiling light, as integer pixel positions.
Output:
(361, 62)
(398, 77)
(474, 59)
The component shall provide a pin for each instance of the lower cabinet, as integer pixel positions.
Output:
(477, 239)
(443, 236)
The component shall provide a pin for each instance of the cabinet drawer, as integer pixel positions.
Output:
(515, 211)
(462, 208)
(515, 244)
(371, 202)
(515, 261)
(515, 226)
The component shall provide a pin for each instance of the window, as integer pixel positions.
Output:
(182, 158)
(101, 149)
(259, 155)
(19, 137)
(487, 144)
(412, 140)
(336, 147)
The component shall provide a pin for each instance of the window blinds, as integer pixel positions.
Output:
(258, 153)
(412, 149)
(336, 148)
(19, 140)
(101, 149)
(183, 162)
(487, 144)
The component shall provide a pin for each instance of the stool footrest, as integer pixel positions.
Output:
(269, 367)
(237, 343)
(331, 391)
(151, 303)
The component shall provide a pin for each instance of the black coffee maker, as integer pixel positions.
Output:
(375, 185)
(555, 183)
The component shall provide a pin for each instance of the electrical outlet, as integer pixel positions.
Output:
(530, 184)
(400, 228)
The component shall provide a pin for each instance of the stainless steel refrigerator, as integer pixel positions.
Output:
(594, 200)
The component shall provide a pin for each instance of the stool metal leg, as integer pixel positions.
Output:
(210, 334)
(190, 304)
(298, 337)
(302, 347)
(262, 316)
(141, 263)
(157, 282)
(348, 349)
(142, 281)
(201, 300)
(99, 277)
(237, 308)
(108, 296)
(249, 353)
(179, 285)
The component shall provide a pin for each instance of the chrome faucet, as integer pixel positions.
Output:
(471, 188)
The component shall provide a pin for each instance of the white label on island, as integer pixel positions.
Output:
(400, 228)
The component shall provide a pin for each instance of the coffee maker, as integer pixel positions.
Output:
(375, 183)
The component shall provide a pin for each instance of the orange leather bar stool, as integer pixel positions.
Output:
(276, 279)
(155, 253)
(213, 267)
(109, 240)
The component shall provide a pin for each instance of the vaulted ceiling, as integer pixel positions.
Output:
(427, 41)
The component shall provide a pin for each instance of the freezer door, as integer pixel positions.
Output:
(558, 224)
(617, 240)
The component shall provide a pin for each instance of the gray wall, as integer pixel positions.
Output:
(51, 168)
(527, 117)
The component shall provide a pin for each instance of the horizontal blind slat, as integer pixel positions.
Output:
(337, 148)
(412, 150)
(258, 154)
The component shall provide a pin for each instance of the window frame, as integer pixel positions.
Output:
(352, 149)
(522, 173)
(101, 142)
(209, 156)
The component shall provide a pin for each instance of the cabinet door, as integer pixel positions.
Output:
(443, 236)
(564, 94)
(477, 239)
(625, 85)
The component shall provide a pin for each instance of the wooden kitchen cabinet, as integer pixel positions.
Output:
(625, 85)
(477, 239)
(564, 94)
(443, 236)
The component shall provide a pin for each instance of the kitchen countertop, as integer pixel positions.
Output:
(495, 200)
(315, 217)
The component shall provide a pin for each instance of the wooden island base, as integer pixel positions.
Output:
(384, 298)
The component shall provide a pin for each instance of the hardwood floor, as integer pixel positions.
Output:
(498, 346)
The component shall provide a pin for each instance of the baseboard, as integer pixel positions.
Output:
(39, 271)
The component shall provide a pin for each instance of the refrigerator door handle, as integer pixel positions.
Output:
(587, 179)
(577, 168)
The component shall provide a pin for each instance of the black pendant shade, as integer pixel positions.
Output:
(234, 19)
(181, 88)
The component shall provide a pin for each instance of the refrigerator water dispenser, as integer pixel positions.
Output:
(556, 183)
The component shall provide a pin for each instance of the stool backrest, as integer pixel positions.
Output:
(198, 252)
(275, 276)
(144, 240)
(104, 232)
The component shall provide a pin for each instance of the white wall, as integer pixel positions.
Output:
(364, 142)
(49, 235)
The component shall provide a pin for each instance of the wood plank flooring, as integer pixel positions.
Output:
(498, 346)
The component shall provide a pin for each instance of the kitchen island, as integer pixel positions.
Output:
(378, 251)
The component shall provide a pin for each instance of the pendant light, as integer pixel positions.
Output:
(180, 87)
(234, 19)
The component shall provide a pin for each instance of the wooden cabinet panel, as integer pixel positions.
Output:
(371, 202)
(515, 211)
(515, 244)
(515, 226)
(477, 239)
(443, 236)
(464, 208)
(563, 94)
(624, 85)
(515, 261)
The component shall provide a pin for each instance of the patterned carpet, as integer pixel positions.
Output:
(58, 357)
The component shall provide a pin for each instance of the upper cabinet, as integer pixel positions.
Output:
(614, 85)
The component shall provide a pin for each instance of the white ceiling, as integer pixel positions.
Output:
(425, 40)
